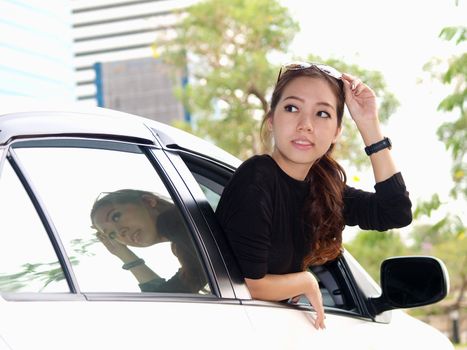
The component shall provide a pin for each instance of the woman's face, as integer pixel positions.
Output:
(130, 224)
(304, 125)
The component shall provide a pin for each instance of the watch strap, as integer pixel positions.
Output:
(378, 146)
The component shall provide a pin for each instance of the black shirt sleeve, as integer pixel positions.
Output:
(245, 214)
(387, 208)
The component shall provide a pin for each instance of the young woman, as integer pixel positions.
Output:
(133, 218)
(285, 211)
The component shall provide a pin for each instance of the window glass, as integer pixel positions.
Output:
(212, 197)
(28, 262)
(117, 220)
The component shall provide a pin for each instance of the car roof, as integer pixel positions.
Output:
(20, 118)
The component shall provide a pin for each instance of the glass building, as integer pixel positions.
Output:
(36, 52)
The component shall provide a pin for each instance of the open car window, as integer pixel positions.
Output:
(212, 178)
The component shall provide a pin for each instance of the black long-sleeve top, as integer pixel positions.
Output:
(261, 212)
(190, 278)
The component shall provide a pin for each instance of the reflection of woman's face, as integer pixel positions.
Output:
(130, 224)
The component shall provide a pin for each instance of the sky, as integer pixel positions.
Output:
(397, 38)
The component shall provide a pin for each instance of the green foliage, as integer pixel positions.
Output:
(372, 247)
(446, 239)
(454, 133)
(449, 228)
(225, 45)
(449, 33)
(42, 274)
(427, 207)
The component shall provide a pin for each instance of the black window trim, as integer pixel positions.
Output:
(46, 222)
(175, 184)
(75, 292)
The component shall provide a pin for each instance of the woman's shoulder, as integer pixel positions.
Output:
(262, 162)
(256, 169)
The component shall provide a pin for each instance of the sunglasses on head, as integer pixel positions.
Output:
(297, 65)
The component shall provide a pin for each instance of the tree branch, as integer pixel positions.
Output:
(252, 90)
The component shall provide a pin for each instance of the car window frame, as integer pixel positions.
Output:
(48, 225)
(356, 291)
(224, 276)
(180, 195)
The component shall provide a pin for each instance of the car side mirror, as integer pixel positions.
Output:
(411, 281)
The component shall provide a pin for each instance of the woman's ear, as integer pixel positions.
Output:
(269, 121)
(338, 134)
(149, 200)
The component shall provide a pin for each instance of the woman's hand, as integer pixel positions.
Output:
(313, 294)
(360, 100)
(114, 247)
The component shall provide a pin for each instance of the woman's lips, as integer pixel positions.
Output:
(302, 144)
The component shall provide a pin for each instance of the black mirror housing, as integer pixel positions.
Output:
(411, 281)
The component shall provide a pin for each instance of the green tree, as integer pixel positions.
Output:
(226, 45)
(372, 247)
(454, 133)
(446, 238)
(453, 248)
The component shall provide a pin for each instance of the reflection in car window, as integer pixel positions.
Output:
(27, 260)
(119, 251)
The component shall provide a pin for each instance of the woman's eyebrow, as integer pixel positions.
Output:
(321, 103)
(327, 104)
(292, 97)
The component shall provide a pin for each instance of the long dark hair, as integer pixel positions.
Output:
(323, 211)
(124, 196)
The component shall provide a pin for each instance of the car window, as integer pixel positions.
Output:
(136, 240)
(212, 179)
(28, 262)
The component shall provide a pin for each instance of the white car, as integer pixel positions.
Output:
(61, 289)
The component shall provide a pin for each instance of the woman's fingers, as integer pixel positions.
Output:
(353, 83)
(316, 300)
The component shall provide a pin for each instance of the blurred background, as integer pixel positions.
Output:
(209, 67)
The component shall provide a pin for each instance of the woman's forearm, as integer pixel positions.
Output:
(281, 287)
(382, 161)
(141, 272)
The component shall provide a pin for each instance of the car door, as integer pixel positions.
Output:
(61, 288)
(344, 284)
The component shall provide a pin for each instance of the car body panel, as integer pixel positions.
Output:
(227, 319)
(122, 325)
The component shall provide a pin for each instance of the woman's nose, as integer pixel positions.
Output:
(122, 231)
(305, 124)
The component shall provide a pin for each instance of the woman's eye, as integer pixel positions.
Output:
(291, 108)
(115, 217)
(323, 114)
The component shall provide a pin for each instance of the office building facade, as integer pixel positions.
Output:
(36, 51)
(115, 65)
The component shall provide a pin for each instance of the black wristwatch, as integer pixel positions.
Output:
(378, 146)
